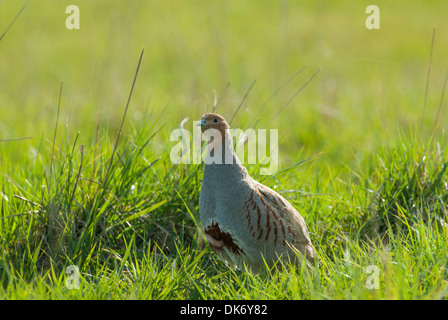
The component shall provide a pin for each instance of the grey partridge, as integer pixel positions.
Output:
(244, 221)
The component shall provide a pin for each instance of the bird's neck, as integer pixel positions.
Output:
(222, 159)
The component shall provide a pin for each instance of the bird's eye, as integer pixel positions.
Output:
(215, 120)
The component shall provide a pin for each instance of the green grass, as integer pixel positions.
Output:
(374, 194)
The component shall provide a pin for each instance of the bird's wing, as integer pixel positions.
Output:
(276, 218)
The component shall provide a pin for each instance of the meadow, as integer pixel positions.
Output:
(86, 178)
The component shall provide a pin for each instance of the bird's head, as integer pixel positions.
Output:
(214, 121)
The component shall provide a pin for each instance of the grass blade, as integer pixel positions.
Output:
(122, 120)
(242, 101)
(292, 98)
(427, 80)
(14, 20)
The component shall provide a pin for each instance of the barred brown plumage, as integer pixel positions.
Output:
(244, 221)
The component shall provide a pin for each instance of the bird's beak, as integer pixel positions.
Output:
(201, 123)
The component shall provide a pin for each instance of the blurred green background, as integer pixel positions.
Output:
(371, 82)
(107, 209)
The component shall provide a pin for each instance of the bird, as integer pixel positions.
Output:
(245, 222)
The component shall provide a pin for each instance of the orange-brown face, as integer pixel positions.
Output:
(213, 121)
